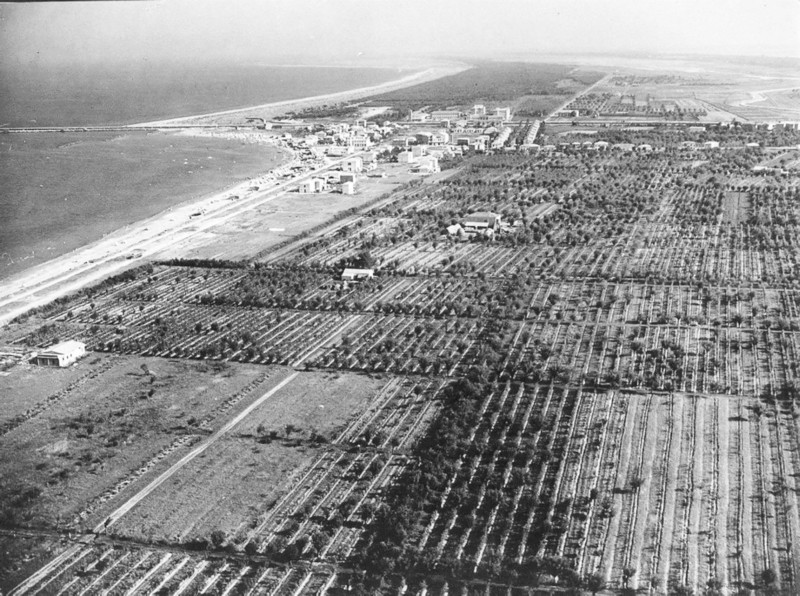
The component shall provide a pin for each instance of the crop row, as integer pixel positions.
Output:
(640, 490)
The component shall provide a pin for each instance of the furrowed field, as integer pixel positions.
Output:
(601, 397)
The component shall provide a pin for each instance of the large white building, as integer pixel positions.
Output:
(61, 355)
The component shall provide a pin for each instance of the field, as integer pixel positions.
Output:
(74, 451)
(99, 182)
(721, 94)
(600, 396)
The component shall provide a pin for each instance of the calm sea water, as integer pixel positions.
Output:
(86, 95)
(60, 191)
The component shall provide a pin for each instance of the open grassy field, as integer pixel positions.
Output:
(65, 453)
(239, 478)
(64, 190)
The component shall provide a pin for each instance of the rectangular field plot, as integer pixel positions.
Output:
(224, 489)
(680, 488)
(111, 569)
(76, 452)
(237, 481)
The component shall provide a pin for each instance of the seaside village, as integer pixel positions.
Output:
(419, 144)
(422, 143)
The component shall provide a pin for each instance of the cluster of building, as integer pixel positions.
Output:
(479, 223)
(338, 139)
(456, 118)
(344, 179)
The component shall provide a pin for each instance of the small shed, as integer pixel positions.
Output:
(61, 355)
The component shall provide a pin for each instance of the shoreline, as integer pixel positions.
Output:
(45, 282)
(30, 244)
(96, 260)
(273, 109)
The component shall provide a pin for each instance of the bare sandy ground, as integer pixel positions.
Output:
(177, 228)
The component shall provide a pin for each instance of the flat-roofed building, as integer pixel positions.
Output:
(60, 355)
(427, 164)
(351, 274)
(503, 113)
(446, 115)
(481, 221)
(405, 157)
(354, 164)
(360, 141)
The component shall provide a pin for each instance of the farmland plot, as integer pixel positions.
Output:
(82, 449)
(604, 389)
(628, 486)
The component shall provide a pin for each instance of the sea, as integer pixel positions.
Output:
(61, 191)
(101, 94)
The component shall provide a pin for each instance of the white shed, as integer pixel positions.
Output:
(62, 354)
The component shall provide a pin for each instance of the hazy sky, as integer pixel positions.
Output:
(266, 30)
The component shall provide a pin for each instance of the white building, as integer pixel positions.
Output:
(311, 186)
(360, 142)
(446, 115)
(357, 274)
(354, 164)
(482, 222)
(348, 188)
(405, 157)
(503, 113)
(60, 355)
(427, 164)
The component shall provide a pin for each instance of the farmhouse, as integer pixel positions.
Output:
(61, 355)
(357, 274)
(481, 222)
